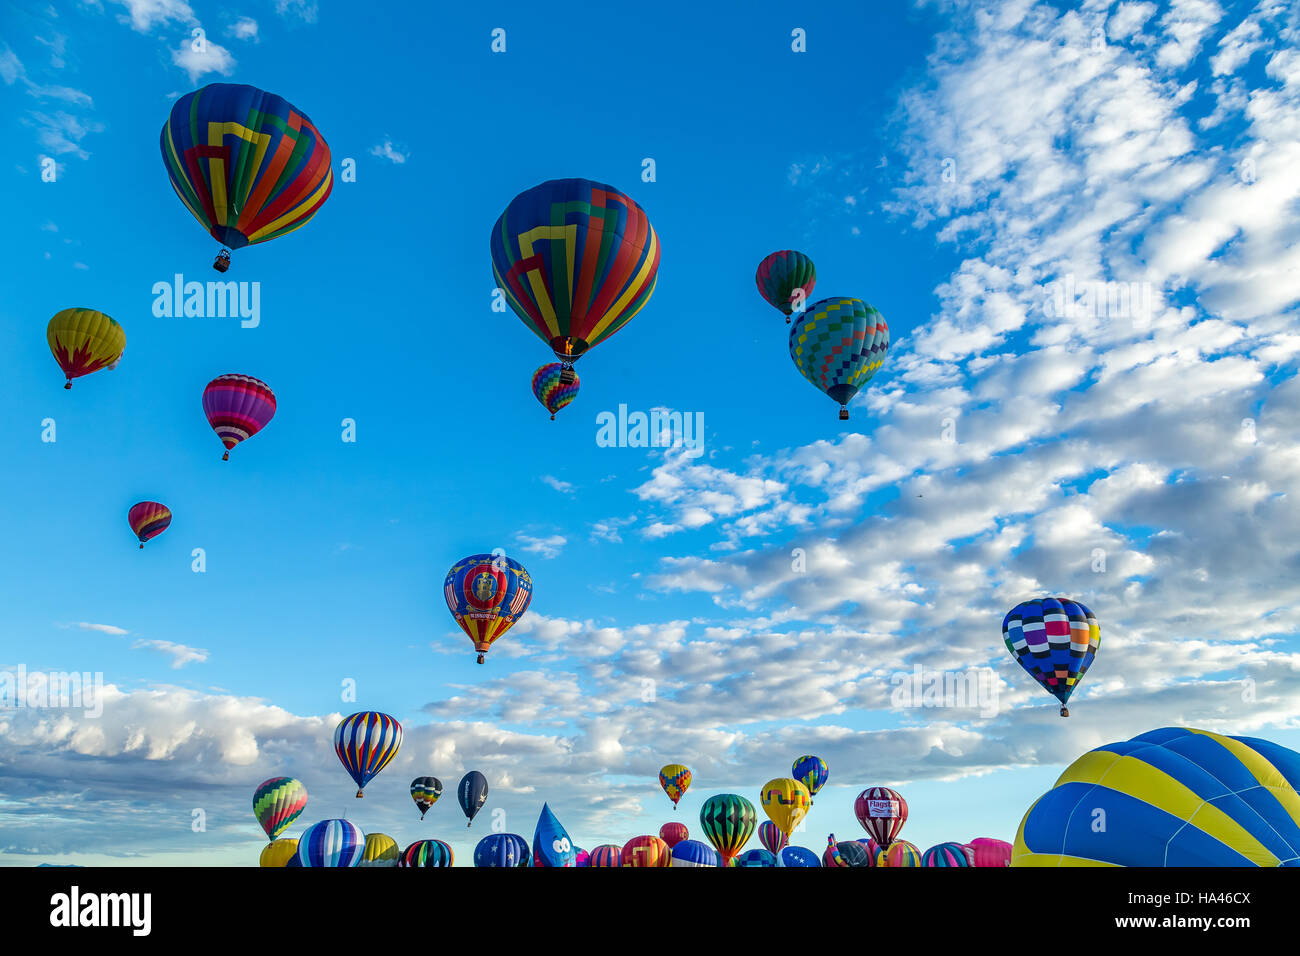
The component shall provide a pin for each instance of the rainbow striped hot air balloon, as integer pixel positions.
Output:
(576, 260)
(487, 594)
(786, 279)
(607, 854)
(948, 854)
(365, 742)
(425, 791)
(552, 390)
(900, 854)
(238, 407)
(1169, 797)
(839, 344)
(1055, 641)
(277, 803)
(247, 164)
(148, 519)
(427, 853)
(333, 843)
(84, 341)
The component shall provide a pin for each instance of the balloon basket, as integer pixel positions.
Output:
(552, 417)
(226, 457)
(1065, 712)
(141, 545)
(360, 794)
(480, 658)
(68, 384)
(222, 262)
(844, 414)
(567, 375)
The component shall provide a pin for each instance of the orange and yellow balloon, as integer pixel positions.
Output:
(786, 802)
(84, 341)
(675, 779)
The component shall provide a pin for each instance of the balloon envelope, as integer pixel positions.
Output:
(882, 813)
(770, 835)
(277, 803)
(550, 388)
(786, 801)
(365, 742)
(646, 851)
(947, 854)
(471, 793)
(1171, 797)
(846, 853)
(425, 791)
(247, 164)
(673, 833)
(694, 853)
(987, 851)
(278, 853)
(148, 519)
(728, 820)
(1055, 641)
(900, 853)
(502, 850)
(756, 857)
(237, 407)
(838, 345)
(551, 843)
(487, 594)
(675, 778)
(380, 850)
(332, 843)
(427, 853)
(812, 772)
(799, 856)
(786, 279)
(607, 854)
(84, 341)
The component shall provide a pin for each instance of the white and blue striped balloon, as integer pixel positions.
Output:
(331, 843)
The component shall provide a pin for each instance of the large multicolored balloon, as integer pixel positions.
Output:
(576, 260)
(502, 850)
(427, 853)
(277, 853)
(148, 519)
(675, 778)
(799, 856)
(487, 594)
(986, 851)
(607, 854)
(786, 802)
(812, 772)
(1169, 797)
(770, 835)
(646, 851)
(551, 844)
(471, 794)
(277, 803)
(900, 854)
(365, 742)
(84, 341)
(425, 791)
(335, 843)
(673, 833)
(247, 164)
(786, 279)
(238, 407)
(1055, 641)
(381, 851)
(882, 813)
(728, 820)
(947, 854)
(694, 853)
(552, 390)
(838, 344)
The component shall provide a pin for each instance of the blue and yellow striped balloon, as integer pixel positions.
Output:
(811, 771)
(838, 344)
(1170, 797)
(550, 388)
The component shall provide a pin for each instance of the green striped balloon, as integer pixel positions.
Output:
(728, 820)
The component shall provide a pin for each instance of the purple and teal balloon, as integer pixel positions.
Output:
(786, 279)
(839, 344)
(335, 843)
(551, 389)
(1055, 641)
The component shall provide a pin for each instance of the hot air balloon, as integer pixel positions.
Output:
(551, 844)
(1170, 797)
(581, 858)
(1054, 640)
(646, 851)
(673, 833)
(238, 407)
(786, 802)
(882, 813)
(873, 850)
(786, 279)
(947, 854)
(838, 344)
(770, 835)
(247, 164)
(148, 519)
(607, 854)
(380, 850)
(799, 856)
(900, 854)
(728, 820)
(427, 853)
(576, 260)
(502, 850)
(551, 389)
(846, 853)
(487, 594)
(277, 853)
(336, 843)
(694, 853)
(471, 793)
(675, 779)
(757, 857)
(365, 742)
(425, 791)
(812, 772)
(986, 851)
(84, 341)
(277, 803)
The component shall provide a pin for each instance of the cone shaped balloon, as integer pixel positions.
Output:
(1055, 641)
(487, 594)
(84, 341)
(839, 344)
(365, 742)
(728, 821)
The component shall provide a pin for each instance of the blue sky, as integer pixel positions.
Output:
(946, 163)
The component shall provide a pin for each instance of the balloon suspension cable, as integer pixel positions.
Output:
(844, 413)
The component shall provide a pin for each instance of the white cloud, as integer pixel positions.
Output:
(548, 547)
(386, 150)
(245, 28)
(179, 653)
(209, 57)
(104, 628)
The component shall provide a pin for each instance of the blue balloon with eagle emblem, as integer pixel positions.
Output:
(487, 594)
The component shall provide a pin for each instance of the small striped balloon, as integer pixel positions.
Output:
(238, 407)
(427, 853)
(148, 519)
(948, 854)
(607, 854)
(551, 389)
